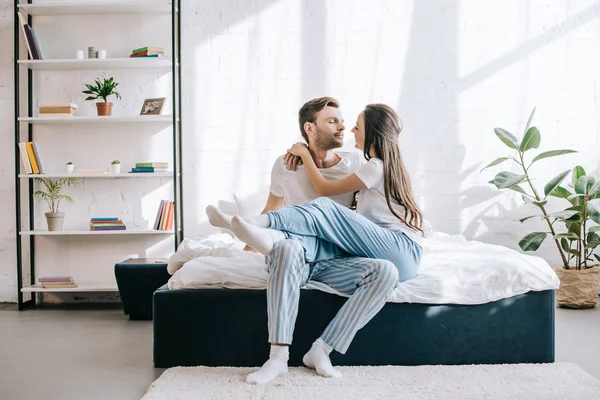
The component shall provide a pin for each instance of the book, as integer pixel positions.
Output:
(38, 156)
(108, 228)
(169, 223)
(55, 279)
(147, 52)
(149, 56)
(158, 215)
(60, 285)
(32, 160)
(104, 219)
(152, 165)
(31, 41)
(71, 105)
(25, 158)
(138, 170)
(148, 48)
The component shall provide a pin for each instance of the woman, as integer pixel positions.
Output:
(387, 223)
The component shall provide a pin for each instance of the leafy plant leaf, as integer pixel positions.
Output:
(560, 192)
(555, 182)
(566, 247)
(584, 184)
(531, 140)
(532, 241)
(569, 235)
(551, 153)
(530, 119)
(597, 257)
(526, 218)
(593, 209)
(595, 190)
(593, 240)
(541, 203)
(517, 188)
(563, 214)
(578, 172)
(506, 179)
(594, 229)
(495, 162)
(507, 138)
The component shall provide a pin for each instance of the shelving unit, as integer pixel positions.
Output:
(105, 63)
(107, 175)
(28, 124)
(145, 119)
(88, 233)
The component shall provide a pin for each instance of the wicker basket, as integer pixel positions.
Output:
(578, 288)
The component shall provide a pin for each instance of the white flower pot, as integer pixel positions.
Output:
(69, 168)
(115, 168)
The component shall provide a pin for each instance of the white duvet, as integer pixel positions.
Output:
(453, 271)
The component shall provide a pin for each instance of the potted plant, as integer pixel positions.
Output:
(579, 279)
(101, 89)
(69, 167)
(579, 234)
(51, 193)
(115, 167)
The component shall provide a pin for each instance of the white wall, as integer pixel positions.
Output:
(454, 70)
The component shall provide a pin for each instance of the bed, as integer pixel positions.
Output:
(472, 303)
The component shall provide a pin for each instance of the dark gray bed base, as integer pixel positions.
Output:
(220, 327)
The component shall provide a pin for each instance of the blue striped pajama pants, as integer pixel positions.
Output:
(367, 281)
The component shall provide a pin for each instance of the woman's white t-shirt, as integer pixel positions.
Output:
(371, 201)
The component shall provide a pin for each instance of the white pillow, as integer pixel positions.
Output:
(218, 245)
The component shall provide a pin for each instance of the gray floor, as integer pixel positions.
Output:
(100, 354)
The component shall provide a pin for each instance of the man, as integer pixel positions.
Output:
(368, 282)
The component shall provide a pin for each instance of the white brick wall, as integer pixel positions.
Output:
(453, 69)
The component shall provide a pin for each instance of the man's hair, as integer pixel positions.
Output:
(308, 112)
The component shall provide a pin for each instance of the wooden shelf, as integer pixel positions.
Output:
(89, 8)
(97, 63)
(82, 287)
(146, 119)
(108, 175)
(83, 232)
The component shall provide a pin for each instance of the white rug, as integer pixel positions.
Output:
(509, 381)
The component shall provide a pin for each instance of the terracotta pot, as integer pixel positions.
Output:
(578, 288)
(55, 221)
(104, 108)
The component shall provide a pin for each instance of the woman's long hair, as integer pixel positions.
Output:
(382, 128)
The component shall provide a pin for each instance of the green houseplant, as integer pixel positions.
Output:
(102, 89)
(115, 167)
(577, 244)
(51, 193)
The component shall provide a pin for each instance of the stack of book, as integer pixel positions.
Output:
(151, 167)
(58, 110)
(148, 51)
(57, 282)
(107, 224)
(164, 218)
(31, 158)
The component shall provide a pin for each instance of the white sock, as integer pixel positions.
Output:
(261, 239)
(318, 358)
(275, 366)
(218, 218)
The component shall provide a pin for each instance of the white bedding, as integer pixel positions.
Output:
(453, 271)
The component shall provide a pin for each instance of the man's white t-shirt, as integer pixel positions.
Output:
(295, 188)
(371, 202)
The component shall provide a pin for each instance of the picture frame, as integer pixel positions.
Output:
(153, 106)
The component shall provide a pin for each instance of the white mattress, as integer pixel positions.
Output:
(453, 271)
